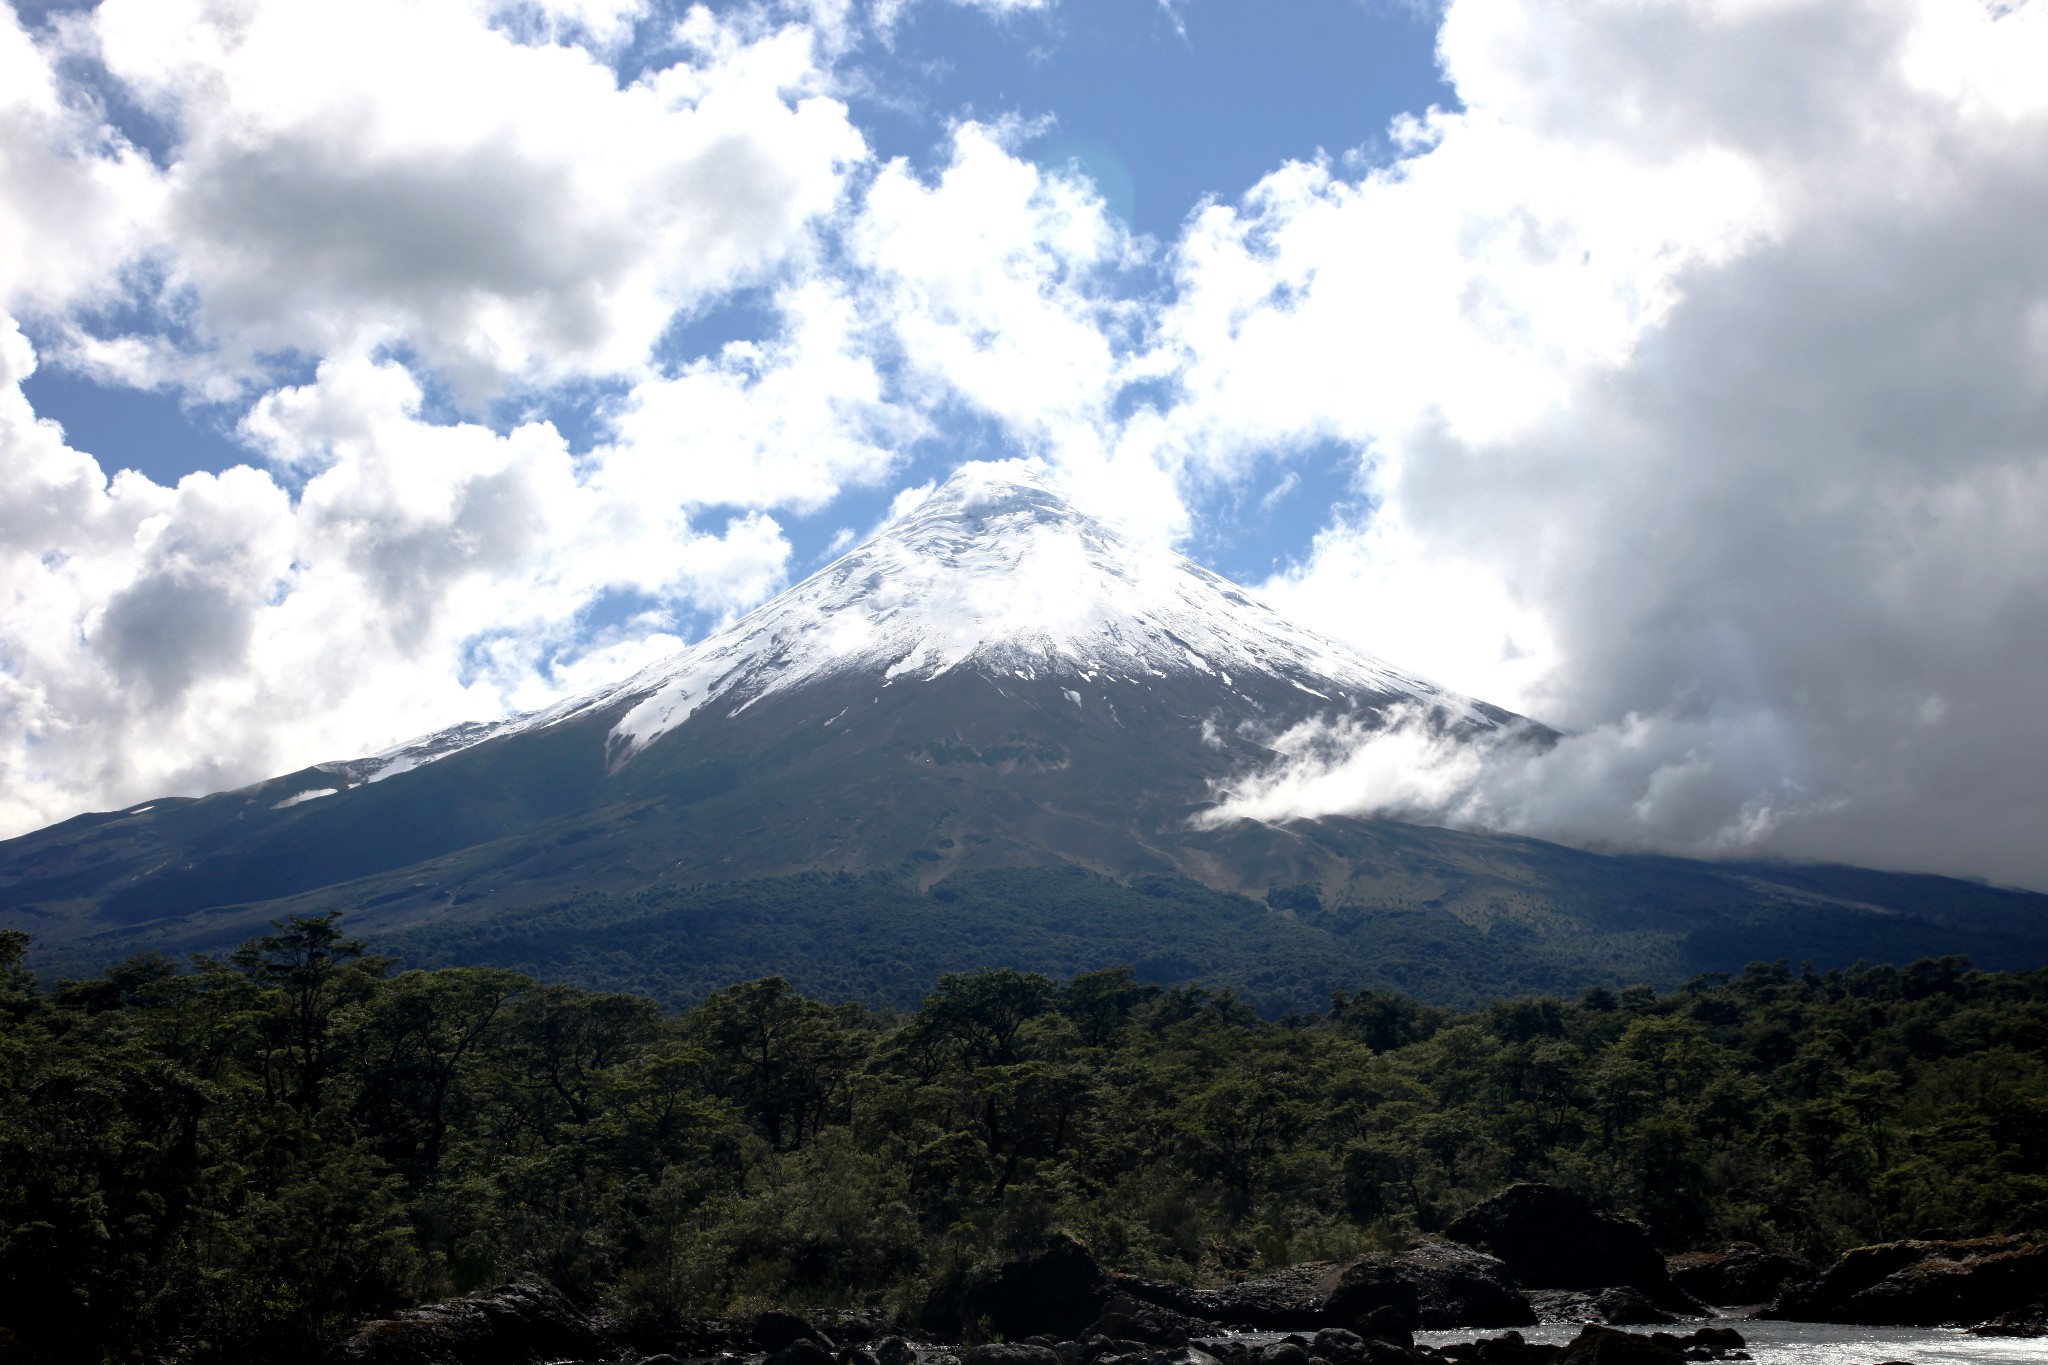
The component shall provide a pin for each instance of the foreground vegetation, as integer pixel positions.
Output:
(237, 1159)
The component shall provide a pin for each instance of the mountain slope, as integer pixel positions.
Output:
(995, 682)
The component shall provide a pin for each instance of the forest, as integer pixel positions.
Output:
(237, 1159)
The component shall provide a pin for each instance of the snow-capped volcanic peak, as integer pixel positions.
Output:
(996, 571)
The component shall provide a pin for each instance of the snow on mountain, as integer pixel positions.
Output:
(995, 571)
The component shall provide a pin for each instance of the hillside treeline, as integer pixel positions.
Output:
(237, 1159)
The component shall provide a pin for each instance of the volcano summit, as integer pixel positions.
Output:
(997, 577)
(996, 682)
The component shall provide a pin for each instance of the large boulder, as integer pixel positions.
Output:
(521, 1323)
(1054, 1292)
(1287, 1300)
(1624, 1305)
(776, 1330)
(1127, 1319)
(1507, 1349)
(1554, 1238)
(2031, 1321)
(1596, 1345)
(1431, 1285)
(1740, 1272)
(1618, 1306)
(1921, 1283)
(1006, 1353)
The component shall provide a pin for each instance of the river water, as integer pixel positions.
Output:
(1821, 1343)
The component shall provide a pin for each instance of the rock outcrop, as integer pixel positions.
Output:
(1058, 1292)
(1596, 1345)
(1004, 1353)
(1740, 1272)
(1431, 1285)
(1921, 1283)
(775, 1331)
(522, 1323)
(2031, 1321)
(1127, 1319)
(1554, 1238)
(1289, 1300)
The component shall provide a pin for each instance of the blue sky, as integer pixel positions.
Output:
(1671, 370)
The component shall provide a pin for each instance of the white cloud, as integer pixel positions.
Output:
(1706, 786)
(785, 423)
(160, 640)
(1700, 365)
(469, 187)
(353, 176)
(74, 195)
(996, 283)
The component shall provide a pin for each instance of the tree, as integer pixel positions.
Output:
(315, 972)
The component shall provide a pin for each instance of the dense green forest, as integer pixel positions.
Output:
(235, 1159)
(884, 939)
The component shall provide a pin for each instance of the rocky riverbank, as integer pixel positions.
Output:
(1532, 1254)
(529, 1323)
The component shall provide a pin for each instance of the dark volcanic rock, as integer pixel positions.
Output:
(1619, 1306)
(776, 1330)
(1626, 1306)
(803, 1352)
(1563, 1305)
(1057, 1291)
(520, 1323)
(1432, 1285)
(1386, 1324)
(850, 1325)
(1739, 1272)
(2025, 1322)
(1508, 1349)
(1337, 1344)
(1921, 1283)
(1287, 1300)
(1553, 1238)
(1596, 1345)
(1009, 1353)
(1127, 1319)
(1719, 1343)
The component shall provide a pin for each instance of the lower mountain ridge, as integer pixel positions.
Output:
(861, 836)
(980, 739)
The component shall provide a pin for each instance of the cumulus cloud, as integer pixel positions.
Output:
(787, 422)
(997, 285)
(383, 174)
(74, 193)
(184, 639)
(403, 200)
(1723, 428)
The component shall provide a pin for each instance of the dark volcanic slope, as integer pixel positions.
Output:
(870, 721)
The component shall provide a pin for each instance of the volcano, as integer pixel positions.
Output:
(995, 684)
